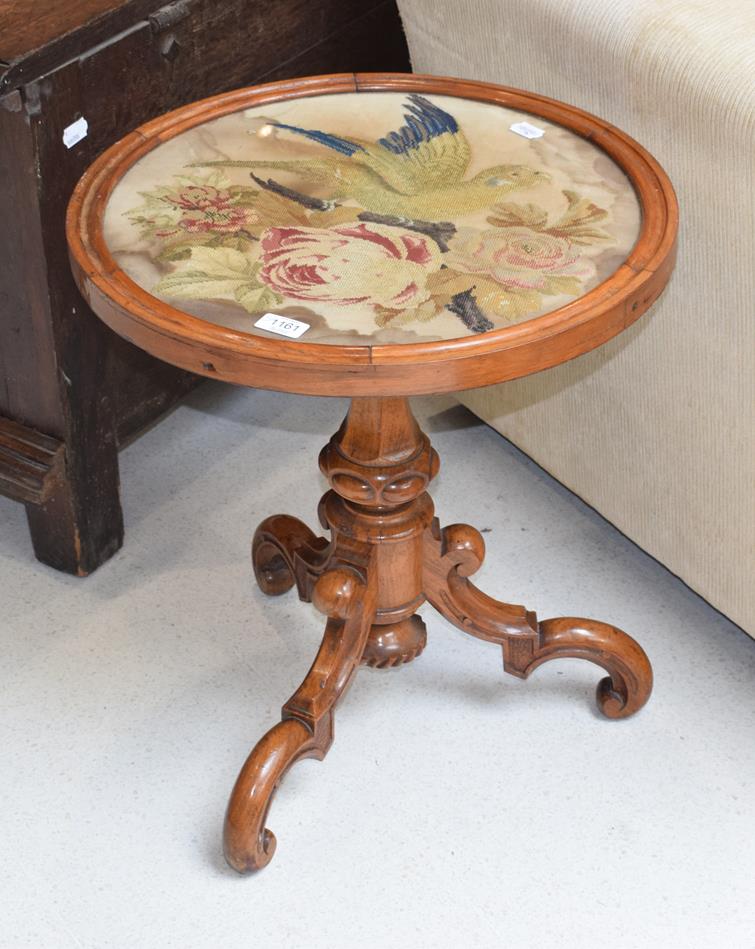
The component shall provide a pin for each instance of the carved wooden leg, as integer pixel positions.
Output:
(284, 552)
(346, 595)
(456, 552)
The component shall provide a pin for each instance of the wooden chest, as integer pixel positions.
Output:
(71, 391)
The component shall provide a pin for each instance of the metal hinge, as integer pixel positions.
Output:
(170, 15)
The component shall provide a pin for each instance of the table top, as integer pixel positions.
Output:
(389, 234)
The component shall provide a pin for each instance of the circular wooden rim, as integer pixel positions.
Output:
(398, 368)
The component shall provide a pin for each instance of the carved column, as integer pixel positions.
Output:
(379, 465)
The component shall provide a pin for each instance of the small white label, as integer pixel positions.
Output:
(282, 325)
(75, 132)
(527, 130)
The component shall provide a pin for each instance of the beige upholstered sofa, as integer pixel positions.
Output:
(655, 429)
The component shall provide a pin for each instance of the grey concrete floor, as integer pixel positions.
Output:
(458, 806)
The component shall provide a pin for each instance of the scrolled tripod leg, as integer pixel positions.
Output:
(630, 676)
(286, 552)
(347, 597)
(457, 551)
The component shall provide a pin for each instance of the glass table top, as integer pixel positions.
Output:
(372, 217)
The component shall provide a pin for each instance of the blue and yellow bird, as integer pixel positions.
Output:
(416, 172)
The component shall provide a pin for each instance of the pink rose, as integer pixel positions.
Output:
(349, 263)
(206, 209)
(516, 256)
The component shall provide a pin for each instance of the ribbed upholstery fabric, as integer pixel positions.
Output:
(655, 429)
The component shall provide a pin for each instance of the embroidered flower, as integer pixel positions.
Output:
(350, 263)
(518, 257)
(206, 209)
(196, 206)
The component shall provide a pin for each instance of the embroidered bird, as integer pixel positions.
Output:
(416, 172)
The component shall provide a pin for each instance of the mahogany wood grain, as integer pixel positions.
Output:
(455, 552)
(386, 556)
(387, 369)
(345, 593)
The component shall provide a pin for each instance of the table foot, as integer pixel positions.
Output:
(457, 551)
(247, 843)
(346, 595)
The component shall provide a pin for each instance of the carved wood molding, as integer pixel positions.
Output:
(31, 464)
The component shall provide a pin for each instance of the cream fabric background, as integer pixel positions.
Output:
(655, 429)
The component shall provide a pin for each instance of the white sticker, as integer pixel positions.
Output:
(75, 132)
(527, 130)
(282, 325)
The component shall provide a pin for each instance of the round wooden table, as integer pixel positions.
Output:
(377, 236)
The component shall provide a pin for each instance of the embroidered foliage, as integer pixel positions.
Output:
(218, 273)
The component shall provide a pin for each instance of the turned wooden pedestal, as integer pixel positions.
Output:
(388, 554)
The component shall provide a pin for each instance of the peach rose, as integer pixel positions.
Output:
(349, 263)
(516, 256)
